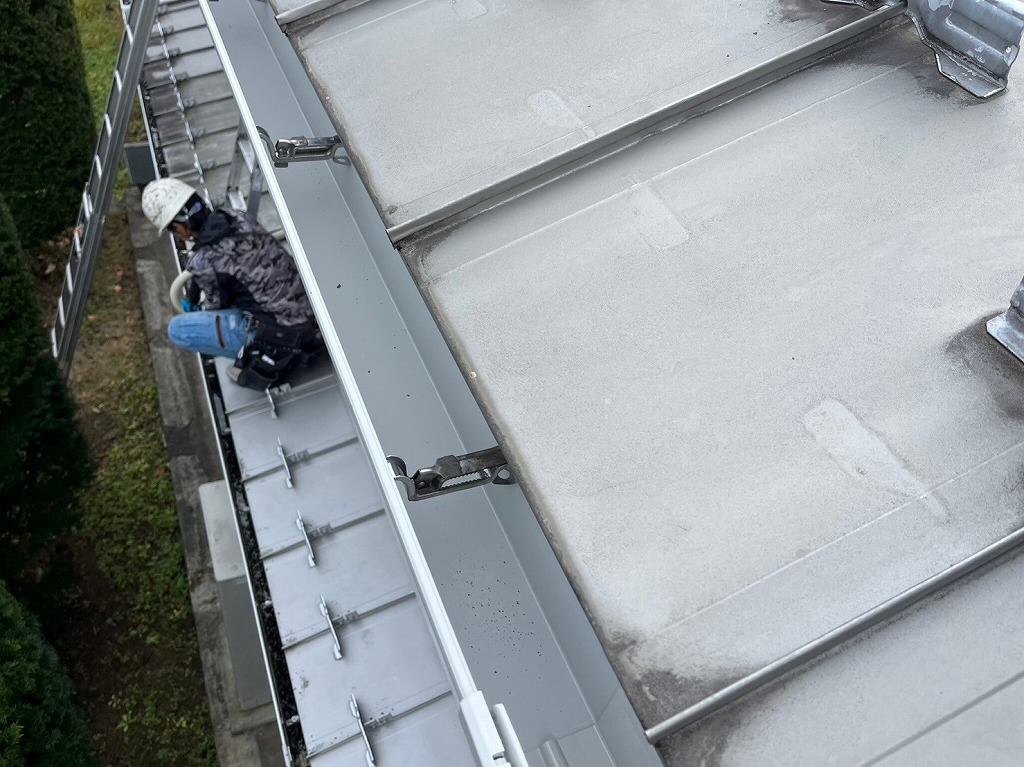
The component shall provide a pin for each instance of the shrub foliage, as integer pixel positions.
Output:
(43, 457)
(39, 724)
(47, 135)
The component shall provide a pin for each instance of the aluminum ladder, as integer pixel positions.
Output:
(139, 17)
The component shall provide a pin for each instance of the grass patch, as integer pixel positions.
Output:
(100, 28)
(130, 521)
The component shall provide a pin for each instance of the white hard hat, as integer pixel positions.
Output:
(163, 199)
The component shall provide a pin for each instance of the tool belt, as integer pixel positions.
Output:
(277, 350)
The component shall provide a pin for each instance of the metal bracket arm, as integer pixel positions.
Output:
(302, 149)
(453, 472)
(975, 41)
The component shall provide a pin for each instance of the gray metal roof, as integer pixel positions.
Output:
(349, 562)
(758, 340)
(349, 616)
(740, 367)
(414, 677)
(436, 100)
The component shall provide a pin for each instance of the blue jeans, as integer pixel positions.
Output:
(219, 333)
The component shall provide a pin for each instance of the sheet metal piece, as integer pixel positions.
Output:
(389, 664)
(360, 568)
(357, 607)
(975, 41)
(257, 434)
(1008, 327)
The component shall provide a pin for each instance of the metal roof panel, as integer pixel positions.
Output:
(430, 112)
(726, 359)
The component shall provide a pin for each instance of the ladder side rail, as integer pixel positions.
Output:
(100, 187)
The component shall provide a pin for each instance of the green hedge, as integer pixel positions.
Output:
(43, 457)
(39, 724)
(47, 135)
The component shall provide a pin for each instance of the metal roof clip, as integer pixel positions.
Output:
(302, 149)
(453, 472)
(354, 708)
(301, 525)
(975, 41)
(324, 611)
(1008, 327)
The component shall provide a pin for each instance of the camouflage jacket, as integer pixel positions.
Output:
(239, 265)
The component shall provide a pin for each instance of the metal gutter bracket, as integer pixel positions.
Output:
(302, 149)
(975, 41)
(453, 472)
(1008, 327)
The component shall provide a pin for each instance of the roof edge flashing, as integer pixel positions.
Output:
(297, 18)
(482, 733)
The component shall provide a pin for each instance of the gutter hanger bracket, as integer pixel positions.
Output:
(302, 149)
(975, 41)
(453, 472)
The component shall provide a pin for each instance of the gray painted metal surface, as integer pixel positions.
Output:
(764, 331)
(370, 639)
(667, 318)
(528, 643)
(508, 639)
(461, 117)
(754, 339)
(192, 117)
(975, 41)
(360, 578)
(941, 686)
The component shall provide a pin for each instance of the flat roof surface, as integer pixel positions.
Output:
(438, 98)
(740, 368)
(944, 685)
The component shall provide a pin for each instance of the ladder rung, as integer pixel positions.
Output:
(53, 341)
(117, 81)
(86, 205)
(60, 311)
(129, 35)
(69, 282)
(248, 155)
(97, 166)
(108, 126)
(235, 199)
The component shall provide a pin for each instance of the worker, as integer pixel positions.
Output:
(254, 306)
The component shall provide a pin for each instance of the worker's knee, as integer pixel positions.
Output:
(216, 333)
